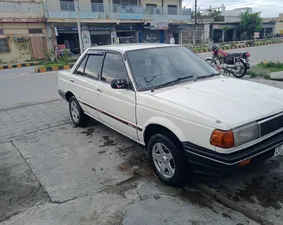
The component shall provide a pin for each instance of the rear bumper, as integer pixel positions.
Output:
(209, 162)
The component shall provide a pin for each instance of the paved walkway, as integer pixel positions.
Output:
(29, 119)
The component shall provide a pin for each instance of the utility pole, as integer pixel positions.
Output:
(195, 27)
(77, 8)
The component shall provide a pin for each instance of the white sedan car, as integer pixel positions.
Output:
(168, 99)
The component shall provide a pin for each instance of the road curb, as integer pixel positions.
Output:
(237, 46)
(52, 68)
(19, 65)
(235, 206)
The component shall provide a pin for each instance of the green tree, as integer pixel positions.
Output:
(250, 23)
(216, 15)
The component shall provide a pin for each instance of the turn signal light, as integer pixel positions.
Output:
(222, 139)
(244, 163)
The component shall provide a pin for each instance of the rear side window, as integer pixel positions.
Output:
(93, 66)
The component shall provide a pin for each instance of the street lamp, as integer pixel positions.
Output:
(77, 8)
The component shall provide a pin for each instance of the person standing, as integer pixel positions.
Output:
(172, 40)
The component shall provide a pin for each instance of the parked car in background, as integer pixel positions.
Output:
(165, 97)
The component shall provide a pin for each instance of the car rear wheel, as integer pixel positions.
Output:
(167, 160)
(78, 116)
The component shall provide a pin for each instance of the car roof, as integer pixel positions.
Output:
(130, 47)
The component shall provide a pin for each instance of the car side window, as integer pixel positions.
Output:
(81, 68)
(113, 68)
(93, 66)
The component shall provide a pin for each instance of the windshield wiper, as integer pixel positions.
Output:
(171, 82)
(207, 76)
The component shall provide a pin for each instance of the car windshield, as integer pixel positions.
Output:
(157, 67)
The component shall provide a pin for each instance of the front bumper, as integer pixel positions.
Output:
(206, 161)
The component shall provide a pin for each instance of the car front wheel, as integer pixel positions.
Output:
(78, 116)
(168, 161)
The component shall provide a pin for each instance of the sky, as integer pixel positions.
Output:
(268, 8)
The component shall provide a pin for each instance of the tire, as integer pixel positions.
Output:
(176, 165)
(79, 118)
(244, 71)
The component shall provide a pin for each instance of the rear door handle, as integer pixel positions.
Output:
(99, 90)
(72, 81)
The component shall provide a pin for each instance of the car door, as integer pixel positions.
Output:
(86, 81)
(117, 105)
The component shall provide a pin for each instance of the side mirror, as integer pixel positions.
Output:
(119, 84)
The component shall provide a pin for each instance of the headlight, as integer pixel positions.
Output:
(246, 133)
(235, 137)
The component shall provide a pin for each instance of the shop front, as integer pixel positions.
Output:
(127, 33)
(154, 32)
(101, 35)
(173, 33)
(68, 36)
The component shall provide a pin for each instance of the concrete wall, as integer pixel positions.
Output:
(19, 51)
(21, 9)
(85, 4)
(279, 28)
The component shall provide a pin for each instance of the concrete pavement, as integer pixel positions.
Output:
(66, 175)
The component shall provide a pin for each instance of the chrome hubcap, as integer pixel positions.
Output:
(163, 160)
(75, 111)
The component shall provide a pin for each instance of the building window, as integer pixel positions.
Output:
(4, 46)
(97, 6)
(125, 6)
(35, 31)
(172, 9)
(67, 5)
(152, 9)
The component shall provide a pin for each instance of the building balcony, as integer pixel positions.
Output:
(21, 10)
(66, 10)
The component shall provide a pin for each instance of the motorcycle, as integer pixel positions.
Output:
(236, 63)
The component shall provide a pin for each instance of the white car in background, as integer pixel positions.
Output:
(168, 99)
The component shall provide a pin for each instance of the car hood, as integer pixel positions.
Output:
(232, 101)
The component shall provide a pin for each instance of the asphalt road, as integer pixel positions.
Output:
(21, 85)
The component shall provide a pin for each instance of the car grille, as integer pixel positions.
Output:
(268, 126)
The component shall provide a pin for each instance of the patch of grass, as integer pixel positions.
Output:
(271, 66)
(264, 69)
(54, 64)
(257, 71)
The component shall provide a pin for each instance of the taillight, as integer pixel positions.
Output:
(248, 55)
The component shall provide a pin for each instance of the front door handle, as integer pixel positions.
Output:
(99, 90)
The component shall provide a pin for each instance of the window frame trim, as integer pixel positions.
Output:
(79, 64)
(87, 55)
